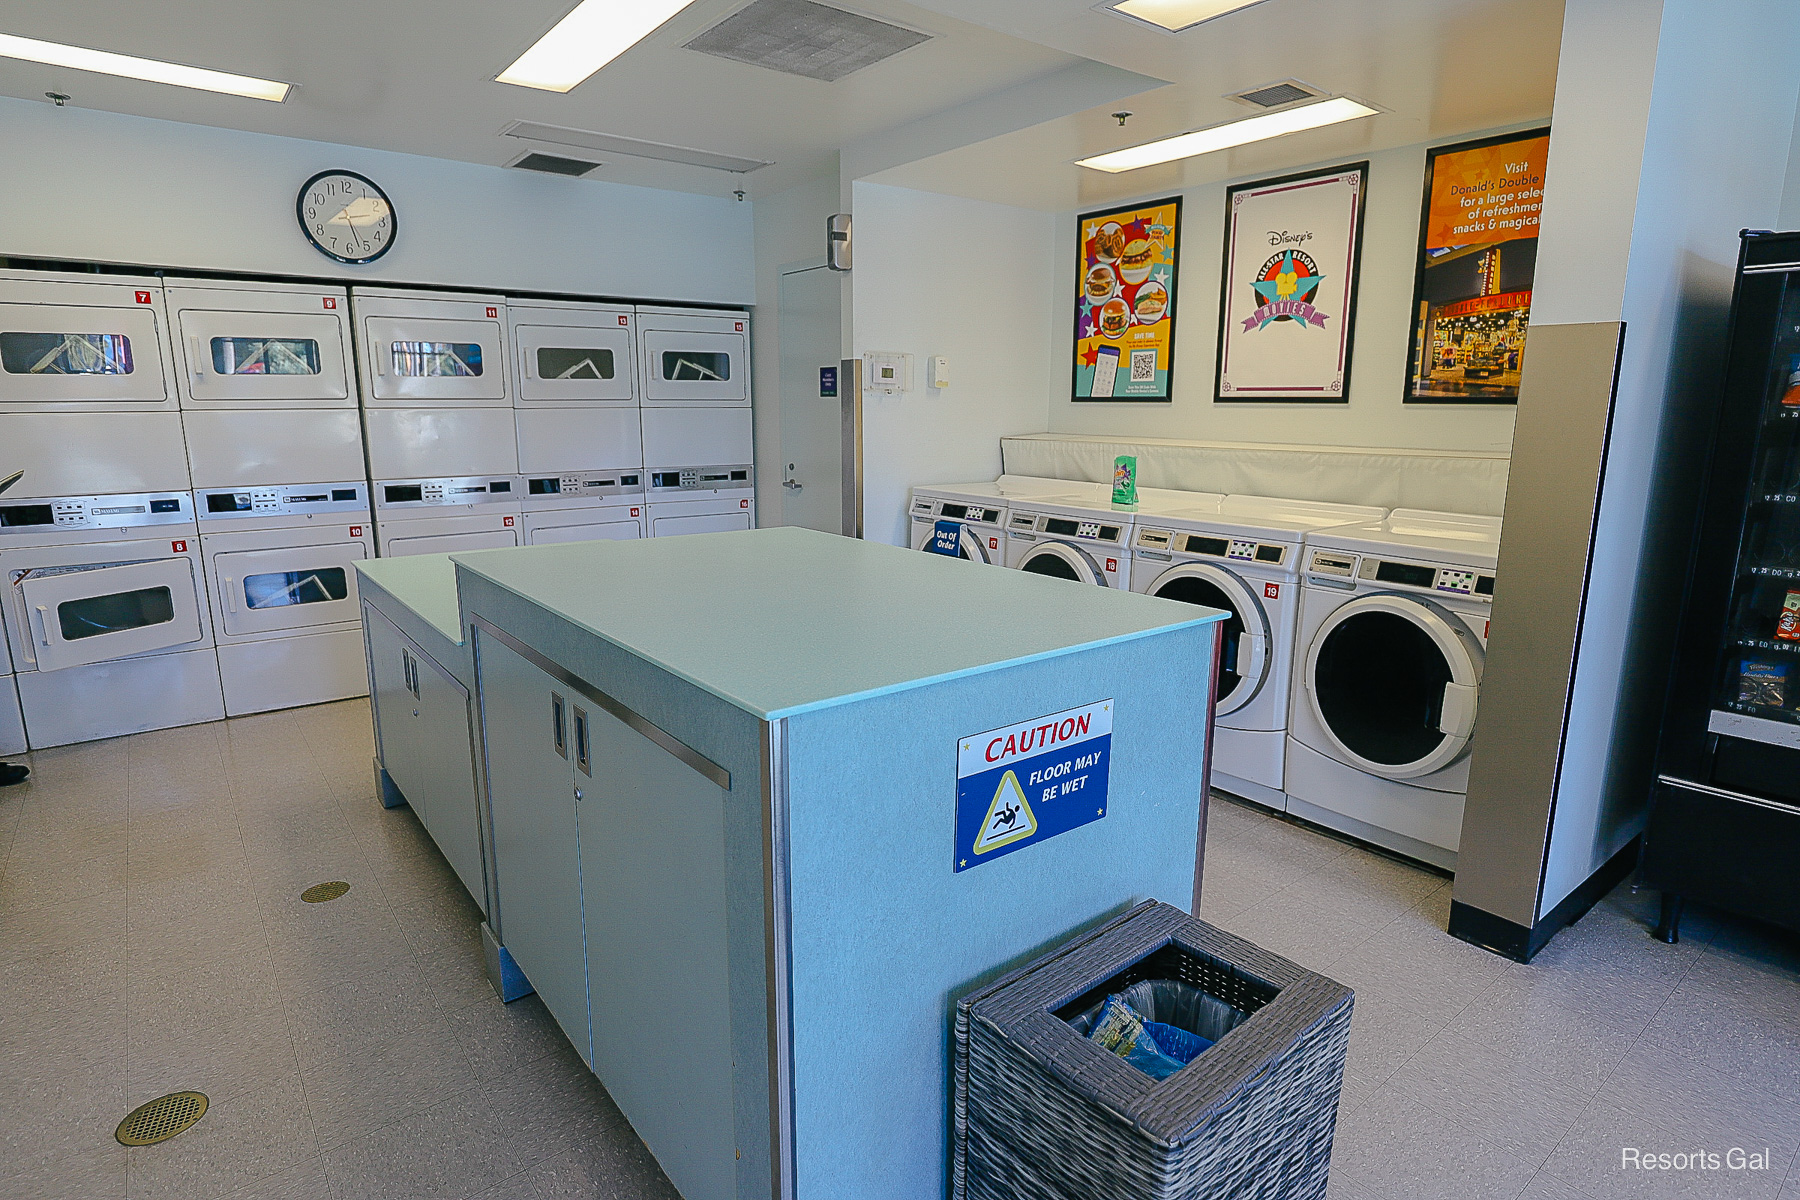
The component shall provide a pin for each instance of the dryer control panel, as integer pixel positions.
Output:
(699, 479)
(586, 485)
(283, 500)
(96, 512)
(426, 493)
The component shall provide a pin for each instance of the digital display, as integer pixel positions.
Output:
(315, 498)
(1109, 533)
(400, 493)
(225, 502)
(628, 480)
(958, 511)
(665, 479)
(1205, 545)
(499, 485)
(1060, 525)
(736, 475)
(599, 483)
(1484, 586)
(543, 487)
(157, 506)
(1409, 574)
(1268, 554)
(343, 493)
(16, 515)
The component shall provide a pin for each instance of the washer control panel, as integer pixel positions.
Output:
(1430, 577)
(1245, 550)
(96, 512)
(1069, 527)
(927, 509)
(426, 493)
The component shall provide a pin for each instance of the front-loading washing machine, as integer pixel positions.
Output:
(107, 615)
(447, 516)
(968, 520)
(281, 565)
(583, 507)
(1081, 537)
(1390, 648)
(1241, 554)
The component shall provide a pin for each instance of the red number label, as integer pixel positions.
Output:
(993, 543)
(178, 547)
(508, 521)
(634, 512)
(330, 301)
(356, 531)
(1112, 564)
(143, 297)
(492, 311)
(624, 320)
(1272, 591)
(740, 327)
(743, 504)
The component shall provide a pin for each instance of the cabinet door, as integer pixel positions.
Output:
(390, 692)
(537, 867)
(652, 837)
(443, 733)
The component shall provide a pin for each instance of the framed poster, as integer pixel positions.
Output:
(1477, 261)
(1125, 309)
(1287, 303)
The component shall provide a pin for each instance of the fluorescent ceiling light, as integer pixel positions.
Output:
(106, 63)
(1177, 15)
(1237, 133)
(591, 36)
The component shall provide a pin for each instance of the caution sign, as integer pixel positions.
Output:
(1028, 782)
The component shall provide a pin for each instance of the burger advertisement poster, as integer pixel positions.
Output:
(1125, 310)
(1477, 260)
(1293, 246)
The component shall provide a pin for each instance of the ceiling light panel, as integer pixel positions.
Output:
(105, 62)
(1177, 15)
(1236, 133)
(592, 35)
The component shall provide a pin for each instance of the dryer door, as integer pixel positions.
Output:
(1244, 662)
(1062, 560)
(554, 528)
(572, 364)
(247, 358)
(396, 543)
(696, 368)
(1392, 679)
(667, 525)
(435, 361)
(261, 591)
(82, 615)
(84, 358)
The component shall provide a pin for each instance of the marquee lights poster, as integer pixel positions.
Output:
(1477, 263)
(1125, 311)
(1293, 246)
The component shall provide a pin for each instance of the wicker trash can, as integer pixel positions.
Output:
(1042, 1113)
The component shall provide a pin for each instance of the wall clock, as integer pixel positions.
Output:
(346, 216)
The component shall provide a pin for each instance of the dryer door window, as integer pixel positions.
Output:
(1244, 659)
(81, 615)
(262, 591)
(1059, 560)
(1393, 683)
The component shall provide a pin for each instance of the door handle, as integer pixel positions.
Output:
(198, 364)
(793, 485)
(41, 615)
(581, 744)
(229, 587)
(558, 736)
(1457, 716)
(375, 353)
(525, 353)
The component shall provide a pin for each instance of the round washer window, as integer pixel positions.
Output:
(1192, 589)
(1380, 687)
(1053, 565)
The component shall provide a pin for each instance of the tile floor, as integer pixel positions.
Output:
(152, 939)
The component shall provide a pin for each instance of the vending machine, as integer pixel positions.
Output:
(1724, 824)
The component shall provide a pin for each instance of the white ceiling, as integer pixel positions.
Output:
(416, 76)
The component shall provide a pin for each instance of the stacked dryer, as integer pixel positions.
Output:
(695, 368)
(106, 611)
(438, 419)
(576, 405)
(276, 452)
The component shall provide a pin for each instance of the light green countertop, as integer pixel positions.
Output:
(779, 621)
(425, 583)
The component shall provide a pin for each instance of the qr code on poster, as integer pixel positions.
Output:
(1143, 366)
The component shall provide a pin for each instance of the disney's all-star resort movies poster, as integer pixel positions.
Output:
(1477, 262)
(1292, 248)
(1125, 309)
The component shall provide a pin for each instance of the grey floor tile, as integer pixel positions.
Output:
(239, 1142)
(501, 1038)
(1480, 1087)
(1420, 966)
(1568, 1034)
(334, 1019)
(1294, 927)
(619, 1169)
(351, 1095)
(304, 1181)
(92, 1169)
(1397, 1148)
(1385, 1034)
(232, 1052)
(32, 881)
(1545, 1186)
(62, 1055)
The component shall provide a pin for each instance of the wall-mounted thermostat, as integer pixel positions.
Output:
(890, 373)
(938, 371)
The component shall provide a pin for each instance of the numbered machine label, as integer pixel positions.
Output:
(1026, 783)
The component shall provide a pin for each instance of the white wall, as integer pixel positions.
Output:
(1375, 414)
(967, 280)
(790, 228)
(89, 186)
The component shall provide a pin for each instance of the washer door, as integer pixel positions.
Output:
(1063, 560)
(1392, 680)
(1244, 661)
(969, 543)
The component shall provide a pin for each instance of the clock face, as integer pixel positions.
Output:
(346, 216)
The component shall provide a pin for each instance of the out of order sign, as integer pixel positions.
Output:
(1026, 783)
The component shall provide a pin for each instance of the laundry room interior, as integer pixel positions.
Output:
(796, 600)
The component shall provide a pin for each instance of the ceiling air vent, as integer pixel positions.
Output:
(553, 164)
(614, 145)
(1273, 95)
(803, 38)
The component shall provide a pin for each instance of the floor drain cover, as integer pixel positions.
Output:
(161, 1119)
(318, 893)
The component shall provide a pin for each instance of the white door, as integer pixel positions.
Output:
(81, 356)
(563, 364)
(1060, 560)
(576, 530)
(94, 614)
(416, 360)
(812, 440)
(696, 368)
(446, 543)
(290, 588)
(235, 358)
(1244, 659)
(723, 522)
(1393, 681)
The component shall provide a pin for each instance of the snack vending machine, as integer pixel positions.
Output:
(1724, 823)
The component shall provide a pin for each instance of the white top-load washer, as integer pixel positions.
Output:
(694, 391)
(1390, 649)
(1241, 554)
(968, 520)
(107, 615)
(438, 418)
(581, 449)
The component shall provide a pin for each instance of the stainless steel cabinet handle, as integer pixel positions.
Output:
(577, 793)
(558, 737)
(581, 743)
(793, 485)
